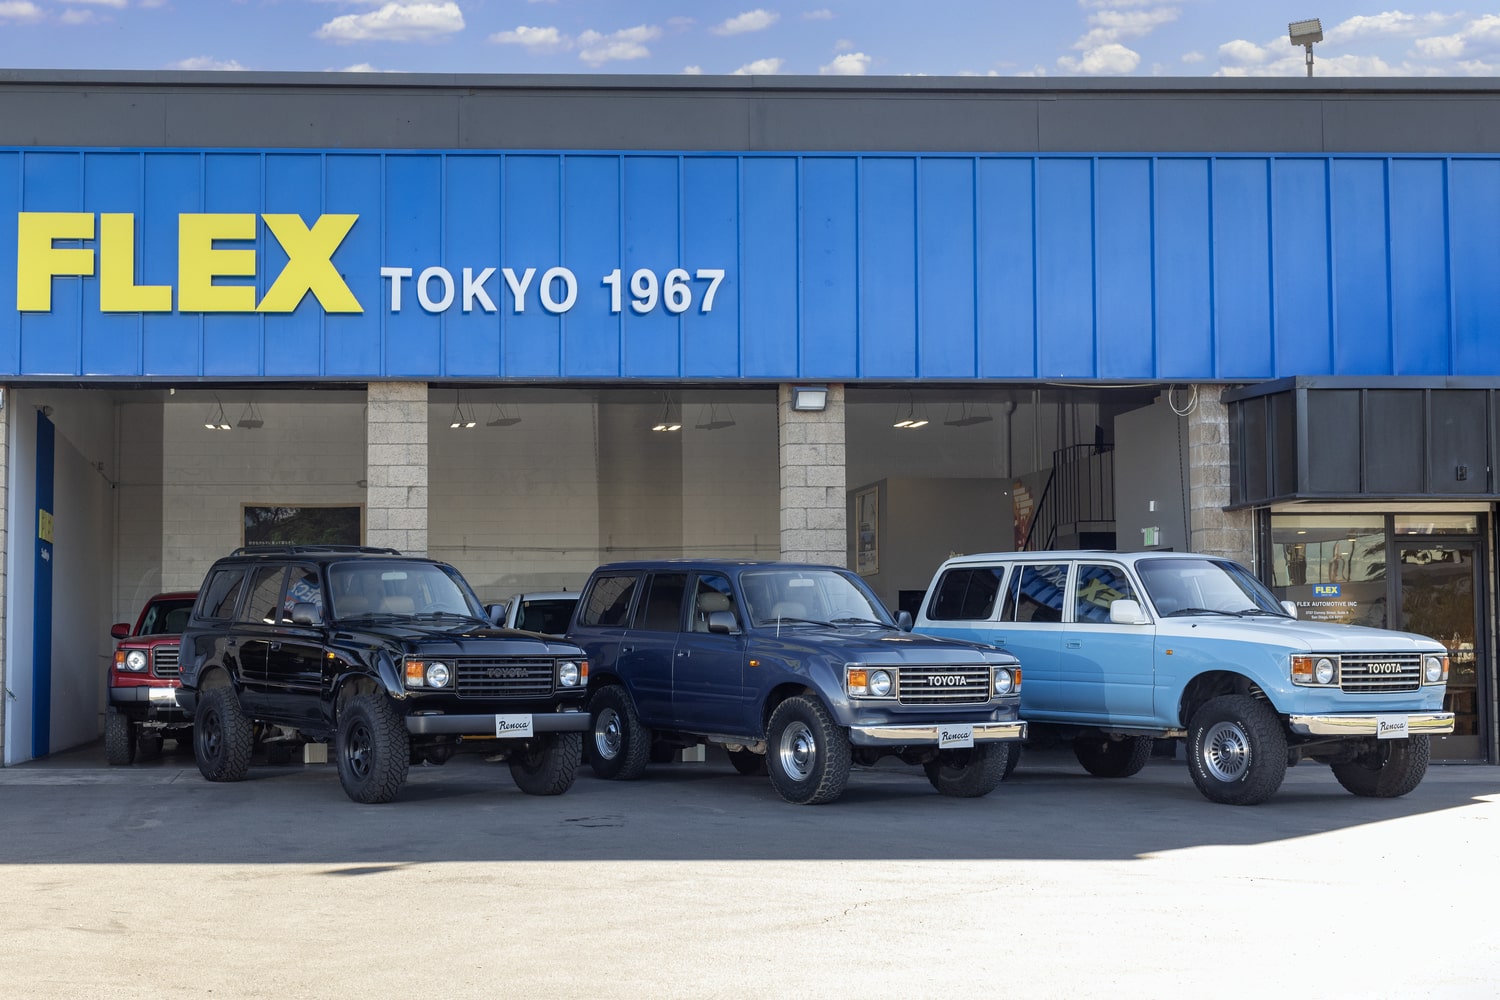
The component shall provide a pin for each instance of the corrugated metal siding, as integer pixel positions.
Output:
(879, 267)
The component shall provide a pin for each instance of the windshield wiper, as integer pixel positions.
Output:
(437, 615)
(778, 620)
(862, 621)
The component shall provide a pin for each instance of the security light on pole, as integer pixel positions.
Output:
(1305, 33)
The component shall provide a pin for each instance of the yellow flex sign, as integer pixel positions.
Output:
(309, 266)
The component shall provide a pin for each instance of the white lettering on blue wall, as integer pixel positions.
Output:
(676, 291)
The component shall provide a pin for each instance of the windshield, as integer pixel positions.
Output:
(379, 587)
(1204, 586)
(166, 617)
(810, 595)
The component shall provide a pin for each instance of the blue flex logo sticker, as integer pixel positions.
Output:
(1325, 590)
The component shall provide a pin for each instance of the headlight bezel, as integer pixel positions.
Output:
(1316, 670)
(1438, 661)
(135, 660)
(571, 673)
(859, 678)
(1004, 681)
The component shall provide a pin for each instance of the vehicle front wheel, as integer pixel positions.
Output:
(549, 765)
(373, 749)
(222, 735)
(807, 755)
(1236, 750)
(748, 762)
(621, 746)
(1106, 758)
(119, 739)
(969, 772)
(1391, 770)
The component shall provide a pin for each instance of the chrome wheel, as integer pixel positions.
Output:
(797, 751)
(1226, 751)
(608, 734)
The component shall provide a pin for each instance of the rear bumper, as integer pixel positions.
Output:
(1417, 723)
(923, 733)
(565, 721)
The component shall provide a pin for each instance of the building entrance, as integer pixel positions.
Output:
(1440, 586)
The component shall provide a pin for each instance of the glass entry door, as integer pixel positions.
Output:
(1439, 587)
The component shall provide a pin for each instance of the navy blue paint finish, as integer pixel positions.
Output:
(881, 266)
(41, 620)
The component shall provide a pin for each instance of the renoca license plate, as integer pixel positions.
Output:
(1392, 727)
(955, 735)
(513, 725)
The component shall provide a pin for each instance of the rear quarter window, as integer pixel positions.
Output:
(608, 601)
(221, 593)
(966, 593)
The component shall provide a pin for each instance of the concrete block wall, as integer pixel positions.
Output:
(396, 456)
(813, 496)
(1215, 531)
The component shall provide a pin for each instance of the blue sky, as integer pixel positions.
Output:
(814, 37)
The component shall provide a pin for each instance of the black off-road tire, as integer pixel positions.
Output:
(222, 735)
(807, 756)
(968, 772)
(1237, 750)
(1014, 748)
(748, 762)
(619, 746)
(1106, 758)
(373, 749)
(148, 745)
(119, 739)
(1391, 770)
(549, 765)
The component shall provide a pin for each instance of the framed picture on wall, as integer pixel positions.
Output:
(867, 531)
(303, 524)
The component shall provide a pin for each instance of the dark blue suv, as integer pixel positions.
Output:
(796, 670)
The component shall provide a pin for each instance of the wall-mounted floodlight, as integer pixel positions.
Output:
(1305, 33)
(810, 397)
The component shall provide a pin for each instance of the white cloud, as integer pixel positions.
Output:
(692, 71)
(1241, 51)
(848, 64)
(1441, 46)
(1106, 60)
(206, 62)
(395, 22)
(823, 14)
(19, 10)
(1193, 57)
(534, 39)
(761, 67)
(1117, 3)
(1391, 22)
(74, 17)
(116, 4)
(751, 20)
(1113, 25)
(844, 45)
(630, 43)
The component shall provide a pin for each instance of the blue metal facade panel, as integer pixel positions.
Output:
(881, 266)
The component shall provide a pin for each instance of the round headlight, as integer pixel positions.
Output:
(135, 660)
(1323, 671)
(437, 675)
(1003, 681)
(880, 683)
(1432, 669)
(567, 674)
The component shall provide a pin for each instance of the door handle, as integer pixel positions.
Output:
(1073, 644)
(627, 649)
(684, 652)
(275, 646)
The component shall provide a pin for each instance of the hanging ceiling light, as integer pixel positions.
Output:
(968, 418)
(251, 418)
(714, 421)
(911, 421)
(216, 421)
(502, 419)
(460, 418)
(666, 423)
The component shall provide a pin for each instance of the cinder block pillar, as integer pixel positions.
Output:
(813, 495)
(396, 466)
(1215, 531)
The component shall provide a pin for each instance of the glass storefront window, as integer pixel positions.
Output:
(1331, 565)
(1437, 524)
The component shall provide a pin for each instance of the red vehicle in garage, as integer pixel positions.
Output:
(143, 682)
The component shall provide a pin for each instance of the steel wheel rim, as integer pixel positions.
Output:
(358, 751)
(609, 734)
(797, 751)
(1226, 751)
(212, 735)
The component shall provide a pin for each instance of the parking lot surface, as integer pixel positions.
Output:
(148, 881)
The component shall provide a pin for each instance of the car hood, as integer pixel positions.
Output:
(453, 638)
(870, 644)
(1295, 632)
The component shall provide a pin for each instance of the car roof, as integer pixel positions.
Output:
(1045, 555)
(550, 595)
(722, 565)
(174, 595)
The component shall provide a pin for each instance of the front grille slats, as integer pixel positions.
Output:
(1379, 673)
(503, 677)
(164, 661)
(966, 684)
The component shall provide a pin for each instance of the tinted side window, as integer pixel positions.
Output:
(608, 602)
(265, 595)
(222, 592)
(966, 593)
(661, 611)
(1097, 587)
(1035, 594)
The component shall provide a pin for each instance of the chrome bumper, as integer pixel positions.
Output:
(472, 725)
(1417, 723)
(899, 735)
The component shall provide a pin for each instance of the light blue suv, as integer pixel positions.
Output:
(1122, 649)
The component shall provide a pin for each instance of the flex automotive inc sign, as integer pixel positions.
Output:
(213, 246)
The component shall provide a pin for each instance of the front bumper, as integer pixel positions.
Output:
(566, 721)
(1417, 723)
(147, 702)
(924, 733)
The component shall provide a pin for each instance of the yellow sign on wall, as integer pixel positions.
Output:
(44, 526)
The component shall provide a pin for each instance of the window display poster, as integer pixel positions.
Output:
(867, 531)
(303, 524)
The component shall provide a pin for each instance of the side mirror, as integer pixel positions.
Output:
(120, 630)
(1127, 612)
(495, 613)
(304, 613)
(722, 622)
(903, 620)
(1291, 607)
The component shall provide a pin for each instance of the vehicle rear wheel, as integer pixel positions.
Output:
(1106, 758)
(807, 754)
(222, 735)
(1391, 770)
(1237, 750)
(148, 745)
(1015, 757)
(621, 746)
(373, 749)
(968, 772)
(748, 762)
(119, 739)
(549, 765)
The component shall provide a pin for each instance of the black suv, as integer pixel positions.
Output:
(389, 657)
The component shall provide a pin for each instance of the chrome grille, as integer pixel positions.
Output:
(1379, 673)
(967, 684)
(164, 661)
(502, 677)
